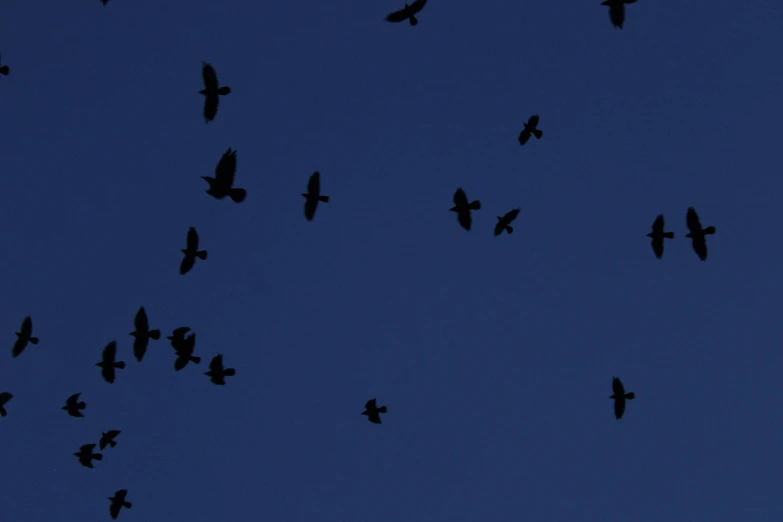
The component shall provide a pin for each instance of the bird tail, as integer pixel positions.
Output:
(127, 505)
(509, 229)
(3, 413)
(154, 334)
(112, 443)
(630, 396)
(4, 70)
(224, 90)
(120, 365)
(538, 133)
(195, 360)
(34, 340)
(237, 194)
(709, 230)
(202, 255)
(414, 21)
(476, 205)
(669, 235)
(81, 405)
(382, 409)
(228, 372)
(97, 456)
(325, 199)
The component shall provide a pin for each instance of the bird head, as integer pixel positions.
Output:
(650, 234)
(304, 196)
(689, 234)
(203, 91)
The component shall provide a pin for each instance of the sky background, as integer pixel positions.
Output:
(494, 355)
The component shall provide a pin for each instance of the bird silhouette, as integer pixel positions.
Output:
(619, 397)
(4, 398)
(118, 502)
(184, 351)
(313, 195)
(463, 208)
(217, 373)
(191, 252)
(142, 334)
(407, 13)
(73, 406)
(211, 91)
(23, 336)
(177, 337)
(373, 412)
(530, 128)
(658, 235)
(108, 438)
(697, 233)
(222, 184)
(4, 70)
(617, 11)
(108, 363)
(504, 222)
(86, 456)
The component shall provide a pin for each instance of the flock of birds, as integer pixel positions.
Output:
(183, 341)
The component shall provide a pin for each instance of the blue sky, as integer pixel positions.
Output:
(494, 355)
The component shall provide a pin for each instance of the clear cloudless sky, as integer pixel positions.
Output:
(494, 355)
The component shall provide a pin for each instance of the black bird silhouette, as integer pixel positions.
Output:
(313, 195)
(86, 456)
(222, 184)
(530, 128)
(117, 502)
(72, 405)
(697, 233)
(4, 398)
(373, 412)
(177, 337)
(211, 91)
(4, 70)
(407, 12)
(217, 373)
(619, 397)
(191, 252)
(142, 334)
(24, 336)
(108, 438)
(504, 222)
(108, 363)
(658, 235)
(463, 208)
(184, 351)
(617, 11)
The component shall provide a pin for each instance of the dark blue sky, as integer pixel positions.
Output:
(494, 355)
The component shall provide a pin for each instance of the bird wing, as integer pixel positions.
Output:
(27, 326)
(460, 198)
(657, 226)
(216, 365)
(87, 448)
(692, 220)
(617, 14)
(511, 215)
(657, 246)
(112, 433)
(524, 136)
(114, 508)
(71, 401)
(374, 417)
(209, 75)
(186, 264)
(533, 121)
(314, 184)
(19, 346)
(397, 16)
(192, 241)
(5, 397)
(180, 363)
(617, 387)
(140, 322)
(417, 6)
(465, 219)
(110, 352)
(370, 404)
(619, 406)
(309, 208)
(108, 373)
(210, 106)
(499, 226)
(226, 168)
(700, 246)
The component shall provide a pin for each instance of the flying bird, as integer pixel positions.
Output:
(407, 13)
(217, 373)
(117, 502)
(504, 222)
(73, 406)
(313, 195)
(619, 397)
(658, 235)
(222, 184)
(4, 70)
(108, 438)
(4, 398)
(23, 336)
(184, 351)
(108, 363)
(211, 91)
(191, 252)
(463, 208)
(697, 233)
(142, 334)
(530, 128)
(86, 456)
(617, 11)
(373, 412)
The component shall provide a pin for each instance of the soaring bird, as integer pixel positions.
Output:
(619, 397)
(530, 128)
(86, 456)
(73, 406)
(617, 11)
(211, 91)
(184, 351)
(23, 336)
(373, 412)
(217, 373)
(697, 233)
(504, 222)
(222, 184)
(108, 362)
(117, 502)
(313, 195)
(108, 438)
(4, 70)
(4, 398)
(191, 252)
(463, 208)
(142, 334)
(407, 12)
(658, 235)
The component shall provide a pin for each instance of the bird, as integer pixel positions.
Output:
(617, 11)
(142, 334)
(697, 233)
(619, 397)
(23, 336)
(407, 13)
(108, 363)
(463, 208)
(108, 438)
(72, 405)
(530, 128)
(4, 398)
(373, 412)
(217, 372)
(504, 222)
(222, 184)
(211, 91)
(313, 195)
(191, 252)
(104, 2)
(118, 502)
(184, 351)
(86, 456)
(177, 337)
(658, 235)
(4, 70)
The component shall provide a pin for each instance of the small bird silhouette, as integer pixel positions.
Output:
(4, 70)
(142, 334)
(217, 373)
(108, 363)
(313, 195)
(530, 128)
(697, 233)
(108, 438)
(619, 397)
(86, 456)
(504, 222)
(23, 336)
(617, 11)
(118, 502)
(407, 12)
(191, 252)
(4, 398)
(373, 412)
(72, 405)
(211, 91)
(658, 235)
(463, 208)
(222, 184)
(184, 351)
